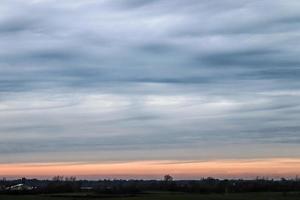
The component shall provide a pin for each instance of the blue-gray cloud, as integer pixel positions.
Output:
(121, 78)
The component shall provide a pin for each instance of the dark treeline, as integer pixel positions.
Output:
(206, 185)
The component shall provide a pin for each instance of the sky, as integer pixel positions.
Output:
(146, 87)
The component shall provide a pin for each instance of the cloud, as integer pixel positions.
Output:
(126, 77)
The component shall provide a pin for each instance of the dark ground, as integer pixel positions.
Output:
(160, 196)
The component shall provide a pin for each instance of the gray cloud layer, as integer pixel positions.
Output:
(113, 80)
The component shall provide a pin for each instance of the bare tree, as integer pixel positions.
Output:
(58, 178)
(168, 178)
(70, 179)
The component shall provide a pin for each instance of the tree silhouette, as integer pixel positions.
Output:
(168, 178)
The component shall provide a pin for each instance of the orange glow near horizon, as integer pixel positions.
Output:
(156, 169)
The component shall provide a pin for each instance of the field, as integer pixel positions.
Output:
(161, 196)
